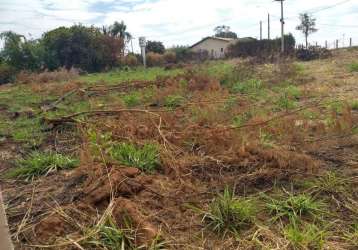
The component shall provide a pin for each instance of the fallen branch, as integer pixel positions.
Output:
(53, 105)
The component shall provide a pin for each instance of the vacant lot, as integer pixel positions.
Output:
(223, 155)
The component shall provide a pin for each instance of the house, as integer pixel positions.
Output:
(215, 46)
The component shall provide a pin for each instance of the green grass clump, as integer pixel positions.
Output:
(354, 105)
(132, 100)
(173, 101)
(293, 92)
(229, 214)
(353, 67)
(294, 207)
(247, 87)
(351, 236)
(330, 183)
(145, 158)
(285, 102)
(109, 236)
(308, 236)
(41, 163)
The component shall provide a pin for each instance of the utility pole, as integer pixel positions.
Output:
(350, 42)
(268, 26)
(260, 30)
(142, 45)
(326, 44)
(282, 27)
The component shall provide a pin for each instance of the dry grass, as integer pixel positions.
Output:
(59, 75)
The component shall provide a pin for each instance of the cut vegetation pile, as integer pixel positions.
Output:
(223, 155)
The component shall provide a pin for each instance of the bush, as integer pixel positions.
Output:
(262, 48)
(170, 57)
(312, 53)
(154, 59)
(131, 60)
(145, 158)
(7, 73)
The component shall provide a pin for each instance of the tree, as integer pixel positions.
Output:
(307, 26)
(155, 47)
(224, 32)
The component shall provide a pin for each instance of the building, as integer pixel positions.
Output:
(215, 46)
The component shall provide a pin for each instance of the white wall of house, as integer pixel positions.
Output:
(215, 47)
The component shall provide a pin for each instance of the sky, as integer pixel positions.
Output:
(183, 22)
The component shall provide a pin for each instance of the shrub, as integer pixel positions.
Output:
(154, 59)
(170, 57)
(354, 105)
(285, 102)
(145, 158)
(41, 163)
(353, 67)
(131, 60)
(7, 73)
(312, 53)
(228, 214)
(308, 236)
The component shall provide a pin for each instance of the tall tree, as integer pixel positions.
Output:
(307, 25)
(224, 32)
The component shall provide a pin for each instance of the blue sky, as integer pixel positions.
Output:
(182, 22)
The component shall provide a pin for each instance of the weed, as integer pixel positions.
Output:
(352, 235)
(294, 207)
(132, 100)
(41, 163)
(330, 183)
(240, 120)
(173, 101)
(247, 87)
(285, 102)
(145, 158)
(293, 92)
(109, 236)
(308, 236)
(353, 67)
(354, 105)
(229, 214)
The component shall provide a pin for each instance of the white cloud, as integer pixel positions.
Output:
(180, 21)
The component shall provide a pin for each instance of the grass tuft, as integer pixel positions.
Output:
(41, 163)
(309, 236)
(145, 158)
(229, 214)
(109, 236)
(294, 206)
(353, 67)
(173, 101)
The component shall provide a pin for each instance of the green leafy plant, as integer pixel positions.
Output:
(145, 158)
(229, 214)
(351, 236)
(41, 163)
(294, 207)
(331, 183)
(308, 236)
